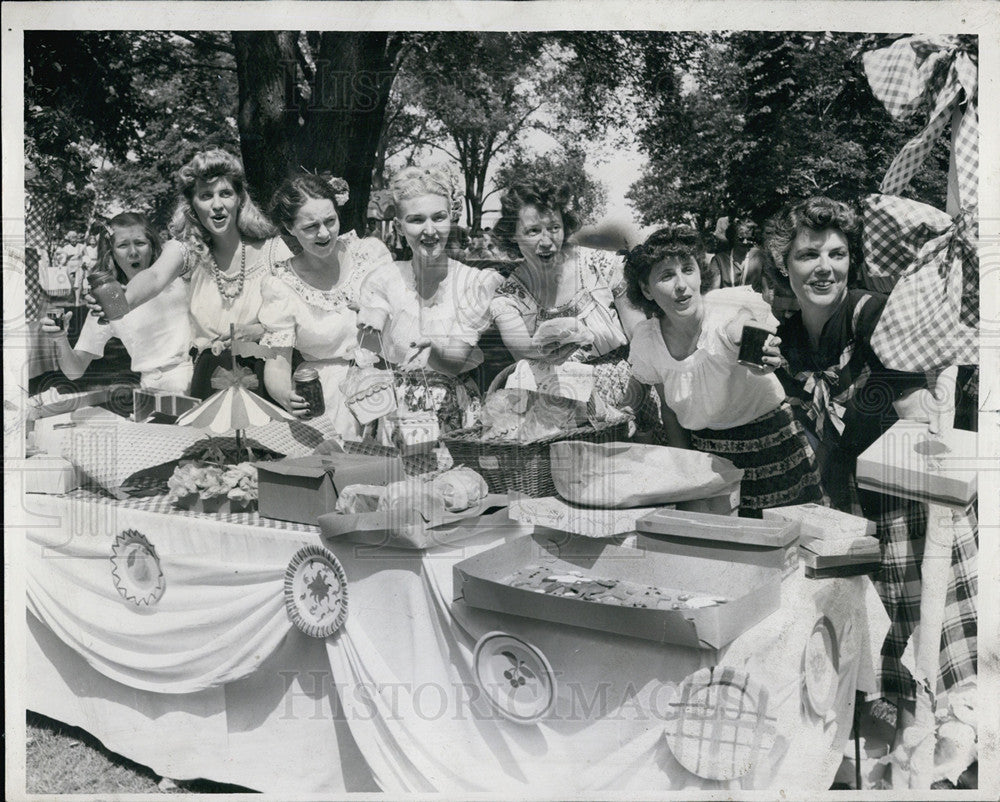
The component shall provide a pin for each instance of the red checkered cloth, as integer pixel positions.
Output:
(943, 280)
(941, 71)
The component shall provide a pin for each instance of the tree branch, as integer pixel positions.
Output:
(210, 44)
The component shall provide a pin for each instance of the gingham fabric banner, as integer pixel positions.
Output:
(932, 316)
(941, 70)
(894, 230)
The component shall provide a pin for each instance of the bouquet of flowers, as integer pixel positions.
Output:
(209, 487)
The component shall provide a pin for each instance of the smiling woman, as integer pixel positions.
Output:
(310, 300)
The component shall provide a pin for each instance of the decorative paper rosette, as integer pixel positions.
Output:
(316, 591)
(515, 676)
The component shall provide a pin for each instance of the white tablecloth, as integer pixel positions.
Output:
(214, 681)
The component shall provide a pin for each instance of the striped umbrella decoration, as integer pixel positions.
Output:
(231, 409)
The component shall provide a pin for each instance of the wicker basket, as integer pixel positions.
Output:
(413, 464)
(521, 467)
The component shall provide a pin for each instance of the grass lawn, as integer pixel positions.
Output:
(67, 760)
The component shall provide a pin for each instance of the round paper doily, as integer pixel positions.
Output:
(316, 591)
(515, 676)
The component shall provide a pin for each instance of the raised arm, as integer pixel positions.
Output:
(151, 282)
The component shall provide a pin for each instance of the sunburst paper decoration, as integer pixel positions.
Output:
(136, 570)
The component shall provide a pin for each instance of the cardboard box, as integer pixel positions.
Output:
(301, 489)
(721, 537)
(908, 461)
(862, 551)
(754, 592)
(376, 529)
(44, 473)
(160, 405)
(816, 522)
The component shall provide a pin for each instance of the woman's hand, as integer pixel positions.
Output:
(557, 352)
(95, 308)
(771, 357)
(53, 329)
(251, 332)
(294, 403)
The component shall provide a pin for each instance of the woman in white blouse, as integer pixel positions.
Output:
(425, 316)
(157, 337)
(224, 247)
(310, 301)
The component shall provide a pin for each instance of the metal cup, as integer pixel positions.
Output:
(57, 315)
(752, 346)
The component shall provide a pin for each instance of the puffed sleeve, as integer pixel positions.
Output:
(366, 255)
(277, 313)
(605, 271)
(472, 295)
(646, 343)
(374, 296)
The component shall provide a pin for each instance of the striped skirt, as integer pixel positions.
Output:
(779, 466)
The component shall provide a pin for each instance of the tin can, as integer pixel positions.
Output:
(308, 385)
(752, 346)
(57, 314)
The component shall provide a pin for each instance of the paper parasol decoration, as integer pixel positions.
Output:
(232, 408)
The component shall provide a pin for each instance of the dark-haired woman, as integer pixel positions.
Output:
(223, 246)
(846, 398)
(688, 350)
(157, 337)
(558, 279)
(310, 301)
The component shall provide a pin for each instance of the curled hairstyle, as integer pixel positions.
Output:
(293, 194)
(545, 196)
(816, 213)
(208, 165)
(412, 182)
(671, 242)
(106, 241)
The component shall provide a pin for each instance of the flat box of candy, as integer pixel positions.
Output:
(669, 598)
(722, 537)
(301, 489)
(147, 403)
(908, 461)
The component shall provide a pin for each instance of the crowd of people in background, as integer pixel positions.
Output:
(661, 325)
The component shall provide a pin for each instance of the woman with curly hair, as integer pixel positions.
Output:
(846, 398)
(224, 247)
(556, 279)
(309, 301)
(157, 338)
(688, 350)
(425, 316)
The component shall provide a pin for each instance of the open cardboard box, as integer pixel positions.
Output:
(721, 537)
(379, 529)
(754, 591)
(303, 488)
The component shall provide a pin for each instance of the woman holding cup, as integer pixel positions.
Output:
(157, 338)
(846, 399)
(712, 361)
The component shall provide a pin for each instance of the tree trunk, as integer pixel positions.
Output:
(323, 116)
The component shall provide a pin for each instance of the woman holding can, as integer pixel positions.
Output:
(157, 338)
(309, 302)
(223, 246)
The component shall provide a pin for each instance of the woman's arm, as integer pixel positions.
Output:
(629, 315)
(520, 343)
(72, 363)
(278, 381)
(152, 281)
(451, 357)
(676, 435)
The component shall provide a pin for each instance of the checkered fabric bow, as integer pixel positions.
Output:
(931, 318)
(941, 70)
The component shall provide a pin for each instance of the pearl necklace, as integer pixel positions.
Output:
(224, 282)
